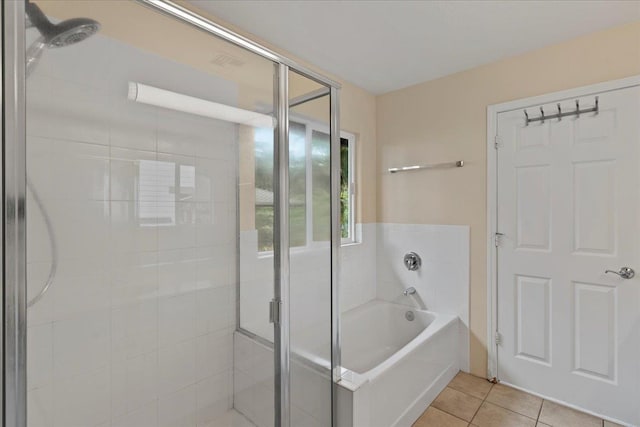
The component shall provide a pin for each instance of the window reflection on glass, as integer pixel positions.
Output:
(309, 174)
(297, 185)
(321, 183)
(157, 195)
(264, 188)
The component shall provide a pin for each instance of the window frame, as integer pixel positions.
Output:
(310, 126)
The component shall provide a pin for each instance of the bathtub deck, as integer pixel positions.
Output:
(472, 401)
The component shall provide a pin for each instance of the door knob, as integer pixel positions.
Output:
(625, 272)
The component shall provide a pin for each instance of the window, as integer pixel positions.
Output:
(309, 186)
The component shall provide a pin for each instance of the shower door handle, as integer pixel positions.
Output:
(625, 272)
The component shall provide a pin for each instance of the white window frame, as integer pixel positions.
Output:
(310, 126)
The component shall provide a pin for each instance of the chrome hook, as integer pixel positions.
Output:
(559, 113)
(541, 115)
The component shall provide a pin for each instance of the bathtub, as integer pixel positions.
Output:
(393, 367)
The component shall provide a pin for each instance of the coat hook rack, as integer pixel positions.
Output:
(560, 114)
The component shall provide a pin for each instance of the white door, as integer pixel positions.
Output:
(569, 209)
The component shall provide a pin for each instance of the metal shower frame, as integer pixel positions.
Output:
(13, 310)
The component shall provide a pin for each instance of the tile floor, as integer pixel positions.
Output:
(470, 401)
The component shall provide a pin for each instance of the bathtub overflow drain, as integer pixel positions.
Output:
(409, 316)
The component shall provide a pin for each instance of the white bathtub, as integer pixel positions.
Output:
(393, 367)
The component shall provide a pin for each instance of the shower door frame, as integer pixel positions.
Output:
(13, 310)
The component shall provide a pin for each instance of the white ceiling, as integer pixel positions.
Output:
(386, 45)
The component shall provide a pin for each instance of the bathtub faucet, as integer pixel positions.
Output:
(409, 291)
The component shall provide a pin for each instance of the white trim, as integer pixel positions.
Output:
(492, 118)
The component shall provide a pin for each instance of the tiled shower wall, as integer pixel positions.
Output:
(137, 329)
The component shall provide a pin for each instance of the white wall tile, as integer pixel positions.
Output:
(177, 366)
(213, 397)
(147, 416)
(81, 345)
(134, 383)
(133, 125)
(443, 280)
(82, 400)
(68, 110)
(215, 224)
(176, 318)
(40, 406)
(178, 409)
(134, 278)
(81, 287)
(134, 330)
(214, 353)
(177, 271)
(215, 309)
(243, 399)
(181, 233)
(40, 355)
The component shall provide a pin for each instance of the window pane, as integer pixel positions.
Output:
(345, 197)
(297, 184)
(321, 169)
(264, 188)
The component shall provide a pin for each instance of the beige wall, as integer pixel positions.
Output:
(445, 120)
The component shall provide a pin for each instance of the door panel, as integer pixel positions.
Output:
(568, 206)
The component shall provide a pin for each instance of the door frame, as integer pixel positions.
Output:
(493, 142)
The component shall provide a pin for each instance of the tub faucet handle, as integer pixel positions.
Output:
(409, 291)
(412, 261)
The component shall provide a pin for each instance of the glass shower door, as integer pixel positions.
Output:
(311, 251)
(135, 124)
(180, 221)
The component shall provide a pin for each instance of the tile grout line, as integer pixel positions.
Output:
(485, 400)
(481, 403)
(539, 412)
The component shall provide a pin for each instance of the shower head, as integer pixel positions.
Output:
(52, 35)
(71, 31)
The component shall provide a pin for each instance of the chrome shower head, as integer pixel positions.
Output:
(72, 31)
(52, 35)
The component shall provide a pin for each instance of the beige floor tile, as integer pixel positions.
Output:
(561, 416)
(433, 417)
(470, 384)
(457, 403)
(515, 400)
(490, 415)
(610, 424)
(542, 425)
